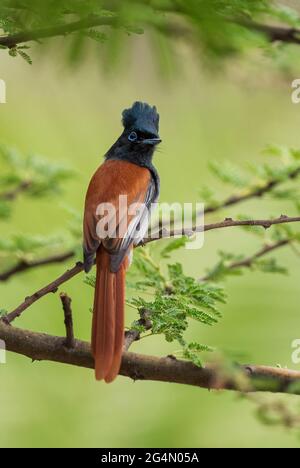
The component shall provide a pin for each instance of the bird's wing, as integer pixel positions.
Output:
(112, 179)
(137, 226)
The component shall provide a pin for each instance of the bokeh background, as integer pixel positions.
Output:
(73, 116)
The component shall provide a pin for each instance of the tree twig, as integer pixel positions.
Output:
(274, 33)
(255, 192)
(265, 223)
(40, 346)
(249, 261)
(24, 265)
(226, 223)
(68, 320)
(134, 335)
(13, 40)
(13, 193)
(50, 288)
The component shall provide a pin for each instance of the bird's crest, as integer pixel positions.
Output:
(141, 116)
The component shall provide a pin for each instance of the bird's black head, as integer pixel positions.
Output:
(141, 123)
(140, 136)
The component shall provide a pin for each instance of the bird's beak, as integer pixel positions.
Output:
(152, 141)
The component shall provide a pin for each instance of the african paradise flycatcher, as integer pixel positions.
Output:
(126, 172)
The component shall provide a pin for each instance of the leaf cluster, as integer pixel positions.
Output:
(175, 300)
(31, 175)
(217, 28)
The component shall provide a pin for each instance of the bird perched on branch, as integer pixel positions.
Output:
(112, 227)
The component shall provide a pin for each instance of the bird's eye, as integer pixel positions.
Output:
(132, 136)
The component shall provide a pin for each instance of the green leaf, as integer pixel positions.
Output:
(24, 56)
(193, 352)
(208, 196)
(13, 52)
(274, 150)
(230, 173)
(270, 266)
(97, 36)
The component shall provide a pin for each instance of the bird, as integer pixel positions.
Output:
(110, 232)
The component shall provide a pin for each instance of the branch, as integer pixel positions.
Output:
(228, 222)
(50, 288)
(13, 40)
(249, 261)
(66, 303)
(13, 193)
(274, 33)
(24, 265)
(40, 346)
(256, 192)
(265, 223)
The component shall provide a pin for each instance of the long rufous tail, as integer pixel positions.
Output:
(108, 318)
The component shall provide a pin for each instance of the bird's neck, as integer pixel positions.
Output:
(140, 158)
(143, 160)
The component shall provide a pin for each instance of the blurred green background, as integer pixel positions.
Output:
(73, 117)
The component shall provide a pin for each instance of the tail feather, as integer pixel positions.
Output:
(97, 300)
(105, 331)
(119, 325)
(108, 318)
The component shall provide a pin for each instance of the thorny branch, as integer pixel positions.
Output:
(41, 346)
(226, 223)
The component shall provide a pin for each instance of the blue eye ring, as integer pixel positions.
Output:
(132, 136)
